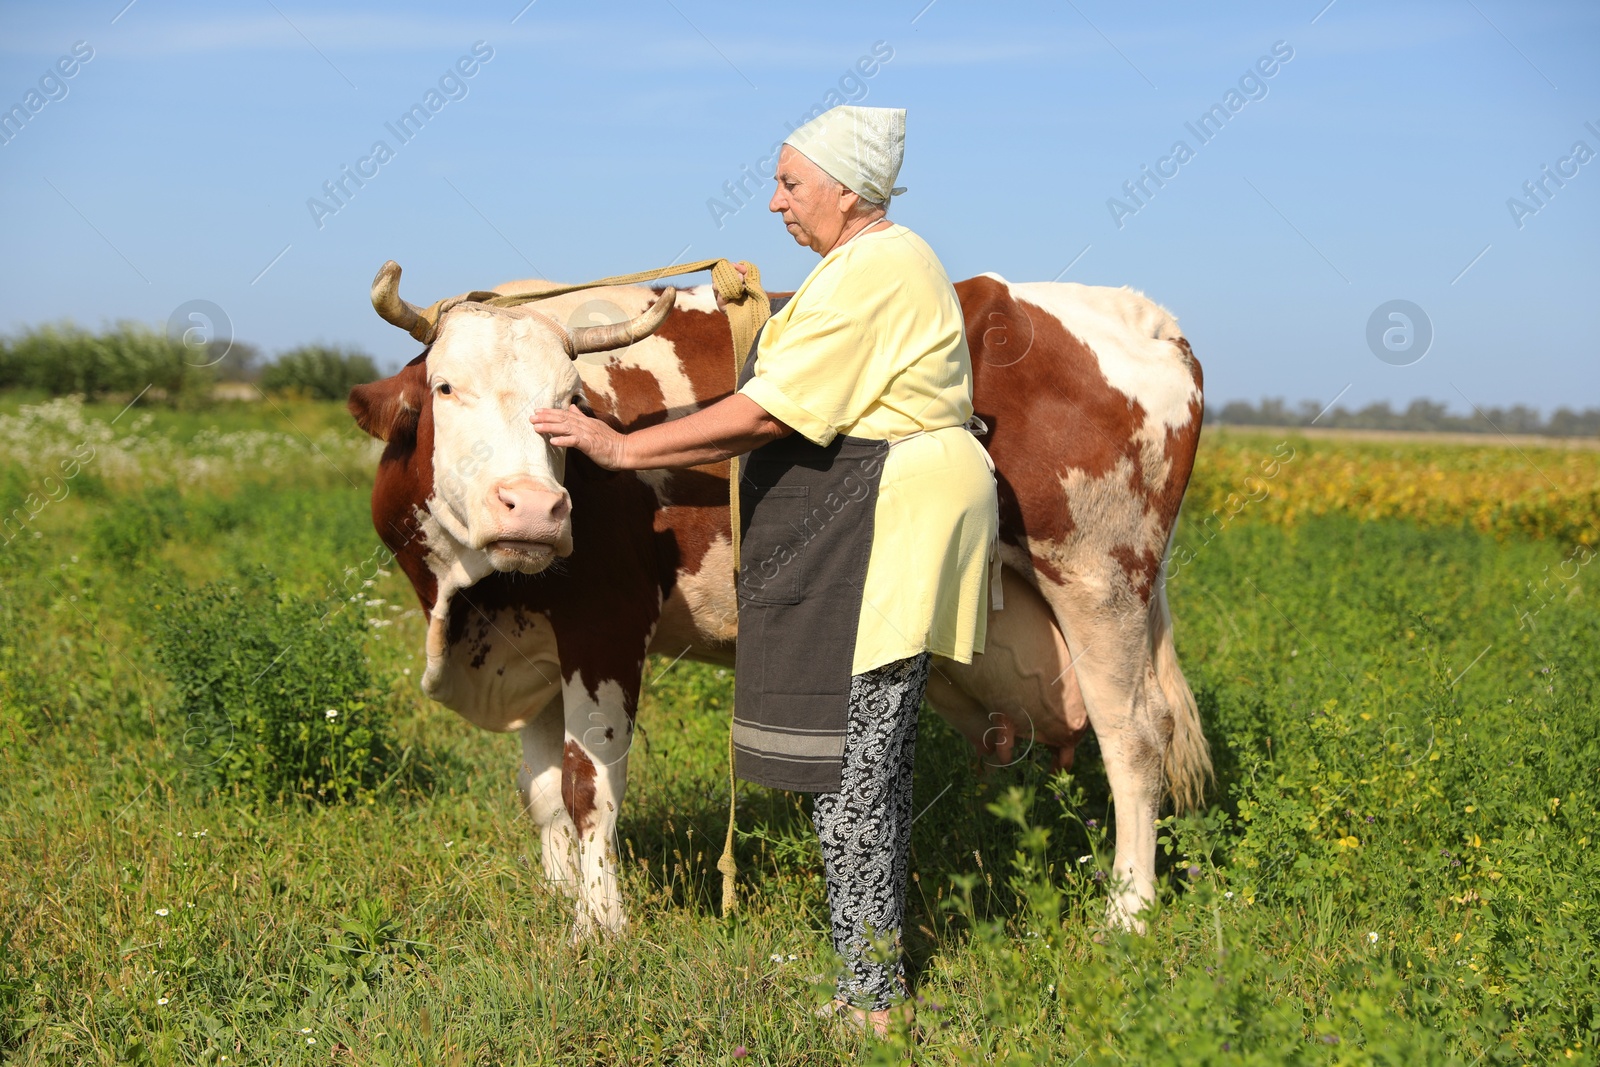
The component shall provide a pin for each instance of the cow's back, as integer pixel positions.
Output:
(1093, 400)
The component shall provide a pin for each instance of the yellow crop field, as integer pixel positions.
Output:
(1506, 490)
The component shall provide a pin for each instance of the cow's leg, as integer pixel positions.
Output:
(594, 775)
(1110, 644)
(540, 783)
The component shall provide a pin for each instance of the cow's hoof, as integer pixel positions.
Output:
(589, 927)
(1123, 913)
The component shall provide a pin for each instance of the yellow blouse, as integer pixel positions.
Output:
(873, 345)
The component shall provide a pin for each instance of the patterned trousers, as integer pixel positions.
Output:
(865, 830)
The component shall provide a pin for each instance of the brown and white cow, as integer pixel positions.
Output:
(548, 580)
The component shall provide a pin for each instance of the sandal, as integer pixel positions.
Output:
(860, 1019)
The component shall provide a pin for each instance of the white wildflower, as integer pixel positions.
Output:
(331, 714)
(162, 912)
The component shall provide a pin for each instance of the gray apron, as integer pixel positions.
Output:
(806, 524)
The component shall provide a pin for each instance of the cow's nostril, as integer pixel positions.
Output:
(533, 504)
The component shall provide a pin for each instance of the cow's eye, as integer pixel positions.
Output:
(444, 388)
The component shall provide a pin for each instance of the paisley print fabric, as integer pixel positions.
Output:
(865, 830)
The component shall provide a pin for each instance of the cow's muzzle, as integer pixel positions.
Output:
(531, 525)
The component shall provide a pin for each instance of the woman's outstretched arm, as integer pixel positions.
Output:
(730, 427)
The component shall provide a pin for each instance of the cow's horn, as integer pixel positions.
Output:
(622, 334)
(386, 299)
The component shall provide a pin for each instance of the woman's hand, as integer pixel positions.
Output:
(743, 268)
(571, 428)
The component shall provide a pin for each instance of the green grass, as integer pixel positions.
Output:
(1405, 733)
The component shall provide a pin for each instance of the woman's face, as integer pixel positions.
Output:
(814, 206)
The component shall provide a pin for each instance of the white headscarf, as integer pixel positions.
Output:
(861, 147)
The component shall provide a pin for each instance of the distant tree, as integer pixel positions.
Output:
(1522, 419)
(126, 359)
(1568, 423)
(1375, 416)
(1274, 412)
(1426, 415)
(1234, 413)
(320, 371)
(236, 362)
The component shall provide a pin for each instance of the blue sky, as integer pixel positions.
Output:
(1374, 164)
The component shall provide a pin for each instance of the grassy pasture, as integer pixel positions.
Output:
(1393, 647)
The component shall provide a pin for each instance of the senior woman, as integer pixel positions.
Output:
(868, 519)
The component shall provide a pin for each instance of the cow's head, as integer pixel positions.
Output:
(496, 484)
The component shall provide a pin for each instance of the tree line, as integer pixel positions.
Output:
(129, 357)
(123, 359)
(1419, 415)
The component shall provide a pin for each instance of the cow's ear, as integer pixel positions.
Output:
(390, 408)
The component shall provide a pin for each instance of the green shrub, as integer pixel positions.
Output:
(271, 697)
(319, 371)
(61, 359)
(1197, 990)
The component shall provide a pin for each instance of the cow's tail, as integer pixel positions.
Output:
(1188, 762)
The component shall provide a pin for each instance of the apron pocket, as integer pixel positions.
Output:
(771, 548)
